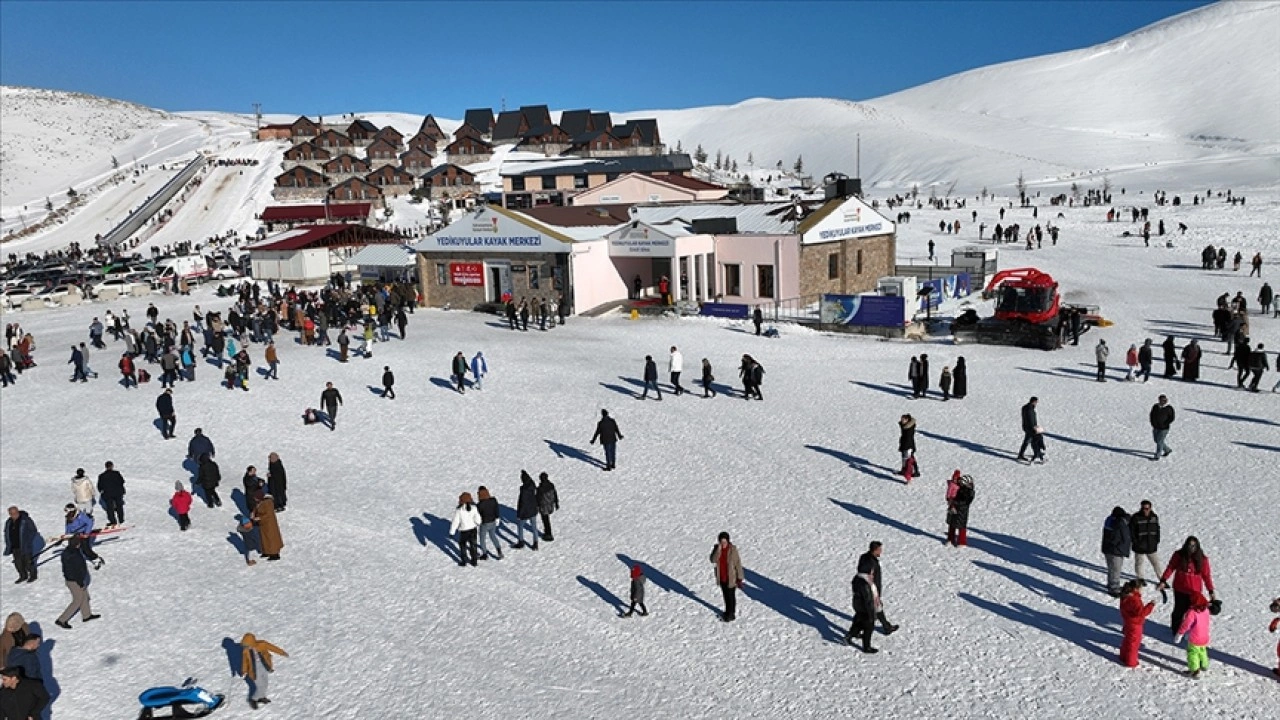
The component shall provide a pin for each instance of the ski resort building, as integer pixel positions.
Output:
(312, 254)
(527, 185)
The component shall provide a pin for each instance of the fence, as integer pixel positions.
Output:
(153, 205)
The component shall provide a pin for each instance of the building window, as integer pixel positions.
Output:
(610, 177)
(533, 277)
(517, 183)
(764, 281)
(859, 262)
(548, 182)
(580, 182)
(442, 274)
(733, 280)
(833, 266)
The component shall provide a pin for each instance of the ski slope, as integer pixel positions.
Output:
(379, 620)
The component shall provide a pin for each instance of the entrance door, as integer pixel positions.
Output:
(497, 279)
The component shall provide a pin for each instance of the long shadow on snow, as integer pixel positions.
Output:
(1256, 446)
(234, 654)
(1067, 374)
(885, 520)
(612, 600)
(443, 383)
(620, 390)
(44, 657)
(1018, 550)
(436, 531)
(969, 445)
(1234, 418)
(904, 392)
(794, 605)
(1097, 446)
(862, 465)
(568, 451)
(665, 582)
(242, 502)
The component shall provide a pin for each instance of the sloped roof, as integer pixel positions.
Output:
(690, 183)
(579, 215)
(630, 163)
(479, 118)
(324, 236)
(295, 213)
(384, 256)
(441, 169)
(364, 125)
(647, 129)
(752, 218)
(601, 121)
(507, 126)
(575, 122)
(536, 115)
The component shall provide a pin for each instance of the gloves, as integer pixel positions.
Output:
(593, 442)
(1177, 639)
(1275, 624)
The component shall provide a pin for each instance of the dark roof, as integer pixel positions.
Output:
(691, 183)
(619, 165)
(294, 213)
(508, 125)
(472, 139)
(536, 115)
(328, 235)
(539, 131)
(429, 122)
(575, 122)
(388, 131)
(305, 171)
(440, 170)
(479, 118)
(601, 121)
(647, 128)
(580, 215)
(364, 125)
(355, 159)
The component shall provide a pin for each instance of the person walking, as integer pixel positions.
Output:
(1133, 616)
(1265, 297)
(913, 376)
(273, 361)
(1117, 543)
(249, 538)
(1144, 529)
(128, 375)
(1191, 355)
(200, 445)
(168, 418)
(864, 613)
(82, 493)
(388, 383)
(1032, 433)
(458, 371)
(707, 379)
(548, 503)
(479, 368)
(466, 522)
(1144, 360)
(1195, 627)
(208, 477)
(110, 491)
(675, 366)
(869, 564)
(1170, 357)
(1100, 353)
(1189, 567)
(650, 378)
(77, 365)
(1162, 415)
(490, 516)
(728, 564)
(1258, 365)
(608, 434)
(181, 504)
(959, 380)
(527, 512)
(20, 539)
(75, 571)
(907, 448)
(637, 592)
(256, 665)
(1131, 362)
(264, 516)
(277, 482)
(960, 495)
(330, 399)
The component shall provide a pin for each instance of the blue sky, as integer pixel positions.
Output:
(336, 57)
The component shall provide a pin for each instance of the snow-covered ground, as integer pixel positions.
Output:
(379, 620)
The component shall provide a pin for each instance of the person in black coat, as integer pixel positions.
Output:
(548, 503)
(757, 319)
(864, 613)
(1030, 427)
(608, 434)
(1144, 360)
(490, 516)
(199, 446)
(650, 377)
(958, 510)
(1144, 530)
(20, 540)
(1170, 357)
(388, 382)
(458, 370)
(277, 482)
(869, 564)
(208, 477)
(907, 447)
(21, 697)
(75, 571)
(111, 494)
(1117, 543)
(164, 408)
(959, 380)
(923, 378)
(527, 511)
(330, 399)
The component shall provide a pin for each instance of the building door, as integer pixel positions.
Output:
(497, 279)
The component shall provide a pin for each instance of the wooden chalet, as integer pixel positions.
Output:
(361, 131)
(356, 190)
(381, 151)
(431, 129)
(467, 150)
(301, 177)
(306, 152)
(333, 140)
(416, 160)
(303, 127)
(347, 164)
(390, 175)
(391, 135)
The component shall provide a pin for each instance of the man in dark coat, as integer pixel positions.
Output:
(548, 503)
(608, 434)
(527, 511)
(208, 478)
(277, 482)
(75, 571)
(21, 697)
(864, 613)
(458, 371)
(199, 446)
(1030, 423)
(1191, 354)
(650, 377)
(923, 378)
(869, 564)
(757, 319)
(77, 363)
(1162, 416)
(1240, 360)
(164, 408)
(1144, 360)
(1144, 531)
(959, 380)
(111, 493)
(1117, 543)
(330, 399)
(20, 540)
(388, 383)
(1257, 365)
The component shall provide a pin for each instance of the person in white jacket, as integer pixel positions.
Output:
(675, 365)
(466, 522)
(479, 368)
(82, 489)
(1100, 353)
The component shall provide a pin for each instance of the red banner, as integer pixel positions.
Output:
(466, 273)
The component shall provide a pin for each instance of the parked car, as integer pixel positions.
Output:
(57, 292)
(124, 283)
(14, 296)
(226, 272)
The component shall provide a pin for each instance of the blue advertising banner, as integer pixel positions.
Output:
(725, 310)
(868, 310)
(932, 291)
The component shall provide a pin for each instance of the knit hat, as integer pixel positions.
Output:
(177, 486)
(723, 536)
(955, 476)
(1198, 601)
(71, 507)
(636, 572)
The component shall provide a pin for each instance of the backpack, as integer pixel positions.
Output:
(966, 492)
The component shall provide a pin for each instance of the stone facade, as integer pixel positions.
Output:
(435, 294)
(878, 259)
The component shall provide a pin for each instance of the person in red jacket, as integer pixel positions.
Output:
(1275, 623)
(181, 504)
(127, 370)
(1191, 574)
(1134, 615)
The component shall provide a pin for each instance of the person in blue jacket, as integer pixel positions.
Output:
(20, 540)
(479, 368)
(199, 446)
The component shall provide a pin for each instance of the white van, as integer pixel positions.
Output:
(191, 268)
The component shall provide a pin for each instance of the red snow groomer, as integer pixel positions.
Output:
(1027, 312)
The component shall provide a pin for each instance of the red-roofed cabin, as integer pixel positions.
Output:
(293, 215)
(312, 254)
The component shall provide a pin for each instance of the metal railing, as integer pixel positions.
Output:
(153, 205)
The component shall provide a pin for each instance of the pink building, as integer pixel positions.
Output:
(634, 188)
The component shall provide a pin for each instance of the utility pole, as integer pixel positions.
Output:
(857, 162)
(257, 116)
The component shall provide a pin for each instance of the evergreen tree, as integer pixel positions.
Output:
(700, 155)
(719, 160)
(751, 160)
(71, 193)
(734, 169)
(799, 166)
(679, 147)
(115, 164)
(48, 204)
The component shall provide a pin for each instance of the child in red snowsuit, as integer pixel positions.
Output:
(1134, 614)
(181, 504)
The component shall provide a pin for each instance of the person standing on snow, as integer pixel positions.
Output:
(458, 371)
(168, 418)
(1144, 360)
(675, 365)
(1162, 415)
(757, 319)
(200, 445)
(959, 380)
(1032, 433)
(466, 521)
(330, 399)
(907, 447)
(181, 504)
(1265, 297)
(960, 495)
(728, 574)
(1195, 627)
(1191, 574)
(864, 613)
(944, 383)
(608, 434)
(548, 503)
(256, 665)
(490, 516)
(1170, 357)
(1131, 362)
(479, 368)
(527, 511)
(264, 516)
(277, 482)
(208, 477)
(127, 372)
(707, 379)
(869, 564)
(82, 492)
(75, 571)
(1116, 546)
(1133, 615)
(1258, 365)
(20, 538)
(388, 383)
(650, 378)
(1100, 353)
(637, 592)
(1191, 361)
(1144, 528)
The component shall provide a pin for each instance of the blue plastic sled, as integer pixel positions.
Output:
(181, 702)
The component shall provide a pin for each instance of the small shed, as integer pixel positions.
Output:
(312, 254)
(387, 263)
